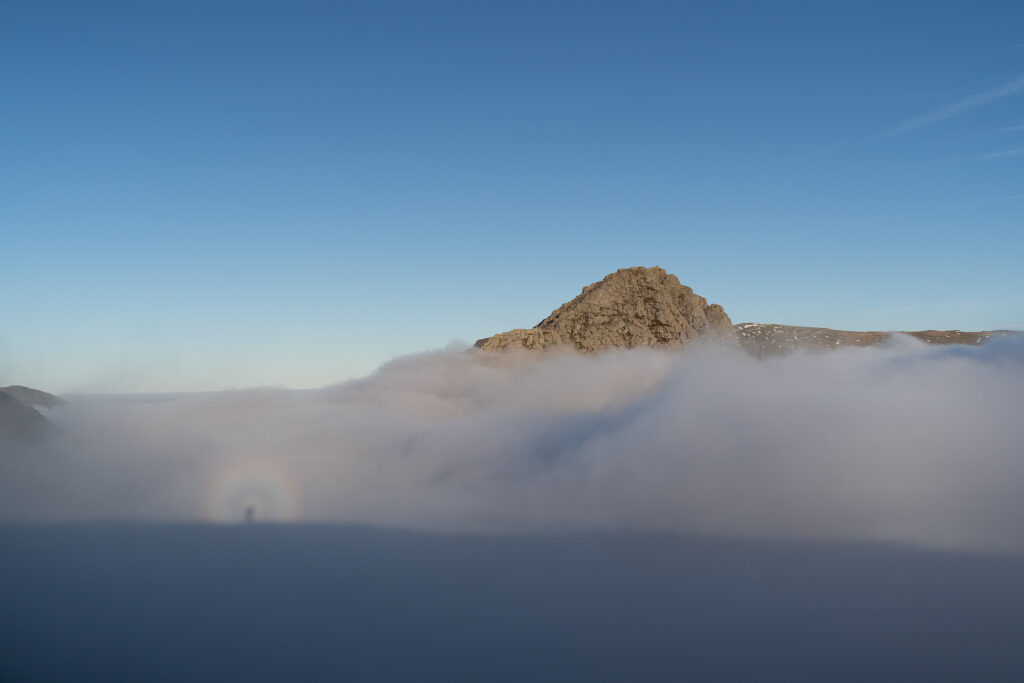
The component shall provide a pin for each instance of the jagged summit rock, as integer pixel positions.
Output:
(629, 308)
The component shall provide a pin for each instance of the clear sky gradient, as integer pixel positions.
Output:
(210, 195)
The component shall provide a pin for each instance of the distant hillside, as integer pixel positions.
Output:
(767, 339)
(21, 422)
(32, 397)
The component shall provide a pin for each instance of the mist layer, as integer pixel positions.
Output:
(906, 442)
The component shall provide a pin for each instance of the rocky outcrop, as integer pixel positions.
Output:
(648, 307)
(631, 307)
(766, 339)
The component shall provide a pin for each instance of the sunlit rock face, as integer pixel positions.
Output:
(632, 307)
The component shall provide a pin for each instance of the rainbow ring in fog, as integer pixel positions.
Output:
(252, 490)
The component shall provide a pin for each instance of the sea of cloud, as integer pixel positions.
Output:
(904, 442)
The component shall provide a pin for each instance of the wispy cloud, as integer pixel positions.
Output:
(1012, 129)
(1004, 153)
(1000, 201)
(944, 113)
(1012, 198)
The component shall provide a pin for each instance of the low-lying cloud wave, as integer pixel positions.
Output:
(906, 442)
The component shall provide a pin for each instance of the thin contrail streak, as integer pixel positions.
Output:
(948, 112)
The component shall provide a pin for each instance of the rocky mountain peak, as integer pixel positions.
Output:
(629, 308)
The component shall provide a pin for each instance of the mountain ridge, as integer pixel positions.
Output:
(641, 306)
(771, 339)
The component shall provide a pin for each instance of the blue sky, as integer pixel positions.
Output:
(213, 195)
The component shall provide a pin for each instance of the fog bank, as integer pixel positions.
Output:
(906, 442)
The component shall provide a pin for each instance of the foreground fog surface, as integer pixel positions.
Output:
(853, 515)
(909, 443)
(176, 602)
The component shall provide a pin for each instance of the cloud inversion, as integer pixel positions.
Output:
(906, 442)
